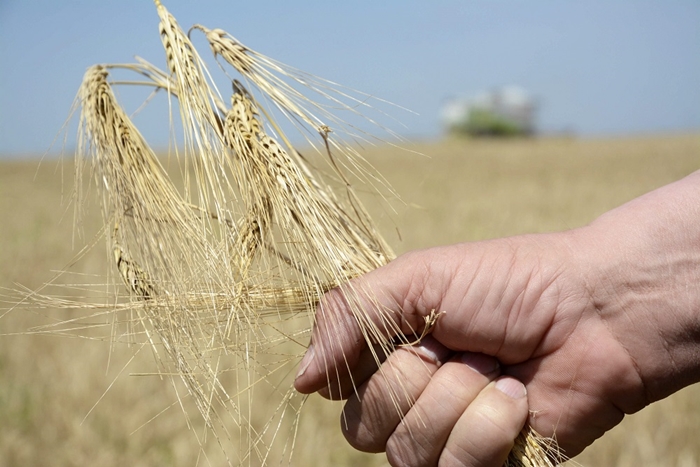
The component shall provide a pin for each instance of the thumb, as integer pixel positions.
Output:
(368, 310)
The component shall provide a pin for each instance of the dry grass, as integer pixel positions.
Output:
(466, 190)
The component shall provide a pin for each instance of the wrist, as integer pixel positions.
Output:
(644, 269)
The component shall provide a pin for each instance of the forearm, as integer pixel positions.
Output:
(644, 274)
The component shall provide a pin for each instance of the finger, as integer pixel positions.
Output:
(372, 414)
(486, 431)
(346, 384)
(420, 438)
(364, 310)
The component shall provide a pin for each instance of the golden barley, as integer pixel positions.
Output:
(227, 270)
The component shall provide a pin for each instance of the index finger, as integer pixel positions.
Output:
(365, 310)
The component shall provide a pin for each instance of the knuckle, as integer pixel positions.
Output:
(403, 451)
(501, 420)
(456, 457)
(358, 425)
(413, 442)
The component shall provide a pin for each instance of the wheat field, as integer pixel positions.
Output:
(66, 401)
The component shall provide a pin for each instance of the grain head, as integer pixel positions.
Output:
(222, 273)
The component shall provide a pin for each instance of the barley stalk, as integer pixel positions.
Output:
(224, 273)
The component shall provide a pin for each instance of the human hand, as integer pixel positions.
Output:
(596, 322)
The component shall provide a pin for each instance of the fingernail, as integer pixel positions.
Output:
(433, 350)
(306, 361)
(511, 387)
(480, 363)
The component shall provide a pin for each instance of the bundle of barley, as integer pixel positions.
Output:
(223, 273)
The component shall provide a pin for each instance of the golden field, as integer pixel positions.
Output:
(458, 190)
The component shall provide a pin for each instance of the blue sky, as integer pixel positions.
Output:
(598, 68)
